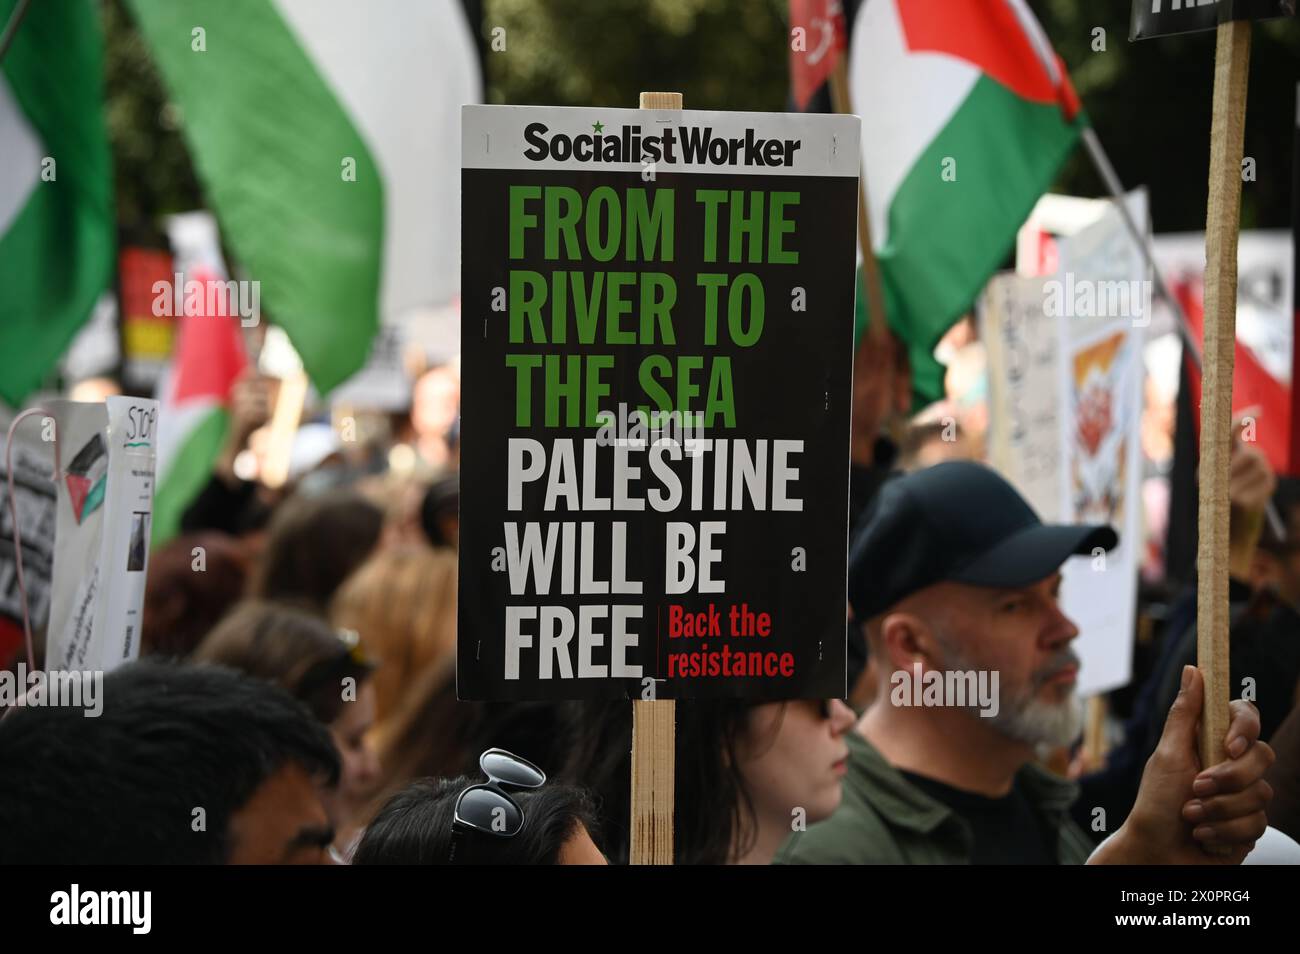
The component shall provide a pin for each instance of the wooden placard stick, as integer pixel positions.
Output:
(1223, 223)
(282, 427)
(654, 725)
(1094, 734)
(840, 102)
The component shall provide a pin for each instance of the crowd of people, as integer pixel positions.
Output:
(295, 700)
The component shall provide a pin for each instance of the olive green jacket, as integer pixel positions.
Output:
(884, 819)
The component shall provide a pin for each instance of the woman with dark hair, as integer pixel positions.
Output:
(313, 544)
(320, 666)
(460, 821)
(435, 735)
(182, 605)
(750, 774)
(747, 774)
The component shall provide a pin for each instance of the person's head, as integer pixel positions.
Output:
(744, 769)
(959, 581)
(966, 386)
(185, 765)
(1019, 633)
(323, 667)
(314, 544)
(440, 512)
(435, 401)
(415, 828)
(930, 442)
(403, 603)
(193, 581)
(1277, 559)
(435, 735)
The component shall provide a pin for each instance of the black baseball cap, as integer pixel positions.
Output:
(956, 522)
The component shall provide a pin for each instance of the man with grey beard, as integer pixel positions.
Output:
(958, 581)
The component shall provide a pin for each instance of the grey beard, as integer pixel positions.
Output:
(1039, 723)
(1026, 718)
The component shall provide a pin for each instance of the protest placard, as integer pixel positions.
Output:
(1262, 373)
(1222, 226)
(34, 508)
(101, 543)
(1166, 17)
(1023, 348)
(656, 345)
(1101, 299)
(1065, 389)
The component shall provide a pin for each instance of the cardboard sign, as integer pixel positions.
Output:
(1166, 17)
(1101, 425)
(657, 337)
(1261, 374)
(35, 498)
(1065, 380)
(101, 543)
(1023, 348)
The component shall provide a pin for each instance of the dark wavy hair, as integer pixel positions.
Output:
(290, 647)
(181, 605)
(415, 827)
(313, 544)
(714, 821)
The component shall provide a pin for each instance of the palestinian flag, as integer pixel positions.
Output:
(326, 134)
(192, 410)
(818, 38)
(967, 114)
(56, 189)
(86, 477)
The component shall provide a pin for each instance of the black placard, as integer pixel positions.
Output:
(1166, 17)
(572, 332)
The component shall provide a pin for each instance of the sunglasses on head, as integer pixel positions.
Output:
(486, 807)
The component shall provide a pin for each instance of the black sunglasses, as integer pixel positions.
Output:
(487, 807)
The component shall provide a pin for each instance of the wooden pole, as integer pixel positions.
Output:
(840, 102)
(283, 426)
(1094, 734)
(1223, 222)
(1141, 238)
(654, 725)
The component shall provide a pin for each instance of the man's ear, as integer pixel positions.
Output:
(906, 641)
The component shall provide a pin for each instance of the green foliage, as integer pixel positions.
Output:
(1149, 101)
(151, 166)
(1150, 104)
(720, 54)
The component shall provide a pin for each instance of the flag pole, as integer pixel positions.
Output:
(840, 103)
(11, 28)
(1101, 161)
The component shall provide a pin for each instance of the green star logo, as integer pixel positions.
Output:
(598, 126)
